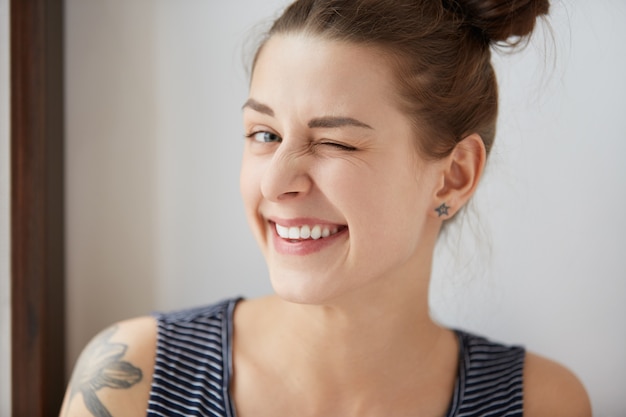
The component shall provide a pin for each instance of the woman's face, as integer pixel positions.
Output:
(334, 191)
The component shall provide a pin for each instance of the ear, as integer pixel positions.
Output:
(461, 172)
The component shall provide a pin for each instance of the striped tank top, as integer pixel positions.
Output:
(194, 366)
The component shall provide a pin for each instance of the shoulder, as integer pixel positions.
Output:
(114, 372)
(552, 390)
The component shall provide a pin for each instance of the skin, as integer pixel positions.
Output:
(327, 140)
(114, 372)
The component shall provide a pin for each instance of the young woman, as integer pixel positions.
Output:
(368, 125)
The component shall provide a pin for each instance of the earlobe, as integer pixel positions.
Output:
(460, 176)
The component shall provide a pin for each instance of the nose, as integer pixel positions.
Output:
(287, 175)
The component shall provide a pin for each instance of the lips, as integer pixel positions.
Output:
(306, 231)
(304, 236)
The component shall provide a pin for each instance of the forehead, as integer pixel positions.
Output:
(307, 70)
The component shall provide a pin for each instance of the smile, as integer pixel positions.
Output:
(307, 232)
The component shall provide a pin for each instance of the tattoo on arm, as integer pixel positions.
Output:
(100, 366)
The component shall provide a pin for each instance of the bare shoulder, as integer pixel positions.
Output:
(114, 372)
(552, 390)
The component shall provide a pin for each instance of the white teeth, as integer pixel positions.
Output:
(305, 232)
(294, 233)
(316, 232)
(282, 231)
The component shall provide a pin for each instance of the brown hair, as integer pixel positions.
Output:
(441, 49)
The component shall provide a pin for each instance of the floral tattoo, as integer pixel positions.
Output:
(101, 366)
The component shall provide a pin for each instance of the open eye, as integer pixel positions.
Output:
(264, 137)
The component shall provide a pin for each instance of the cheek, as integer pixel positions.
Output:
(249, 187)
(388, 201)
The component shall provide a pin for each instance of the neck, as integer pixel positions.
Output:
(342, 344)
(359, 361)
(362, 327)
(354, 354)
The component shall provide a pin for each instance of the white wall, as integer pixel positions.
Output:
(154, 90)
(110, 163)
(5, 272)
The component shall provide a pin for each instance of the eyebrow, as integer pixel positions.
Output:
(260, 107)
(330, 122)
(318, 122)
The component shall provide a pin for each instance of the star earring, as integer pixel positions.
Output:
(442, 210)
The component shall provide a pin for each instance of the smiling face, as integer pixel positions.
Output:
(334, 190)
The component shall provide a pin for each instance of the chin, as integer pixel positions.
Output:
(303, 288)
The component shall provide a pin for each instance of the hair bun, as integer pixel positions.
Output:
(500, 20)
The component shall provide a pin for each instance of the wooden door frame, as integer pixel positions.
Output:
(37, 207)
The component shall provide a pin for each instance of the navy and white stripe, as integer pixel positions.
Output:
(490, 379)
(192, 369)
(194, 365)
